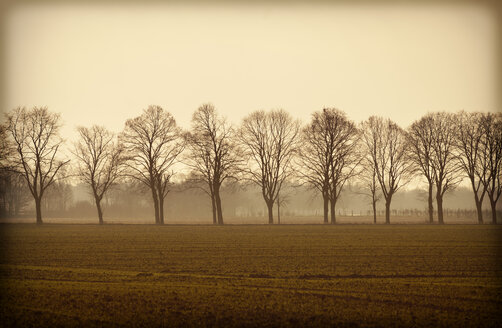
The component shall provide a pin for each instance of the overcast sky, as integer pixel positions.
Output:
(103, 64)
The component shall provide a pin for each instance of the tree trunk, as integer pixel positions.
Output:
(493, 205)
(439, 199)
(374, 211)
(219, 210)
(332, 204)
(155, 204)
(326, 208)
(38, 209)
(387, 210)
(278, 210)
(161, 209)
(213, 207)
(270, 206)
(431, 207)
(100, 211)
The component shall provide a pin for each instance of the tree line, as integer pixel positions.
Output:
(268, 149)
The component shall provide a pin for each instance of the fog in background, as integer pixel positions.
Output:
(242, 204)
(104, 63)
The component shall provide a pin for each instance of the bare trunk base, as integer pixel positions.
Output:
(332, 210)
(155, 205)
(387, 212)
(161, 210)
(219, 209)
(270, 213)
(326, 209)
(431, 206)
(213, 207)
(494, 211)
(374, 212)
(38, 208)
(100, 211)
(479, 210)
(440, 209)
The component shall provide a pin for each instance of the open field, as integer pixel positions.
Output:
(296, 275)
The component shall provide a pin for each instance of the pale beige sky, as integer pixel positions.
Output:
(103, 63)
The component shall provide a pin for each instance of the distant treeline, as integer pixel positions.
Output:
(243, 204)
(270, 165)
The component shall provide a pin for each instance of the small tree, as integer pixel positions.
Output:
(153, 143)
(270, 140)
(473, 155)
(444, 161)
(100, 160)
(492, 129)
(385, 145)
(328, 155)
(35, 134)
(213, 156)
(420, 140)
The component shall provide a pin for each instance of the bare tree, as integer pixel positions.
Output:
(420, 140)
(473, 155)
(444, 161)
(316, 155)
(14, 194)
(328, 155)
(492, 143)
(270, 141)
(153, 143)
(212, 156)
(385, 143)
(36, 137)
(370, 185)
(100, 161)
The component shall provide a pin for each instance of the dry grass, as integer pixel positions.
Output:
(144, 275)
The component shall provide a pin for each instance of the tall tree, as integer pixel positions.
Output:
(420, 140)
(36, 137)
(100, 160)
(444, 160)
(212, 155)
(492, 129)
(153, 143)
(385, 144)
(473, 156)
(270, 140)
(328, 155)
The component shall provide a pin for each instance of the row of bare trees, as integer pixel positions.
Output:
(268, 149)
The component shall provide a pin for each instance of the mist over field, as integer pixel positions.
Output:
(242, 205)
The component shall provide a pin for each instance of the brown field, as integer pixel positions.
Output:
(256, 275)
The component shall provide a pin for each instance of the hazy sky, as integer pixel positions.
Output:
(103, 63)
